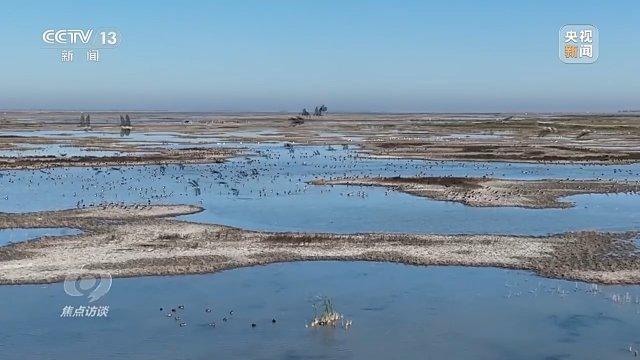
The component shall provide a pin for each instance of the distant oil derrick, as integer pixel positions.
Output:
(125, 121)
(125, 125)
(85, 121)
(299, 120)
(319, 111)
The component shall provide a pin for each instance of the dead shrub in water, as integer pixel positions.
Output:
(327, 315)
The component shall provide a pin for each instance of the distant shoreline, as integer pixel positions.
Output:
(535, 138)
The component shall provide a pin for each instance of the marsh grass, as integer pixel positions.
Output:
(171, 236)
(326, 315)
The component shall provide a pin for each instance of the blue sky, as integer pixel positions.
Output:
(395, 56)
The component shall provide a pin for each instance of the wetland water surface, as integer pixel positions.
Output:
(270, 192)
(8, 236)
(398, 311)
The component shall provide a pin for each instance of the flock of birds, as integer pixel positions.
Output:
(273, 171)
(177, 313)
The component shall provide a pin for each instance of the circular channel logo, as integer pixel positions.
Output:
(90, 285)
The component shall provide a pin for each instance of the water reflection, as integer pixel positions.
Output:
(270, 192)
(9, 236)
(398, 311)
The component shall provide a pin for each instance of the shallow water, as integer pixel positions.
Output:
(133, 135)
(270, 192)
(8, 236)
(142, 140)
(59, 150)
(398, 311)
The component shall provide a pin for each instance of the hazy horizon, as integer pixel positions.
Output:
(373, 56)
(328, 114)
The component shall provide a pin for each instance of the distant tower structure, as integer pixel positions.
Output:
(85, 121)
(320, 110)
(125, 121)
(125, 125)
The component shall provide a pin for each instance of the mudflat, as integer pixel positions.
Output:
(139, 240)
(489, 192)
(546, 138)
(184, 156)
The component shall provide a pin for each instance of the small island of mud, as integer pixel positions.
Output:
(183, 156)
(490, 192)
(139, 240)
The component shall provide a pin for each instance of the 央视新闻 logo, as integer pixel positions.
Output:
(578, 44)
